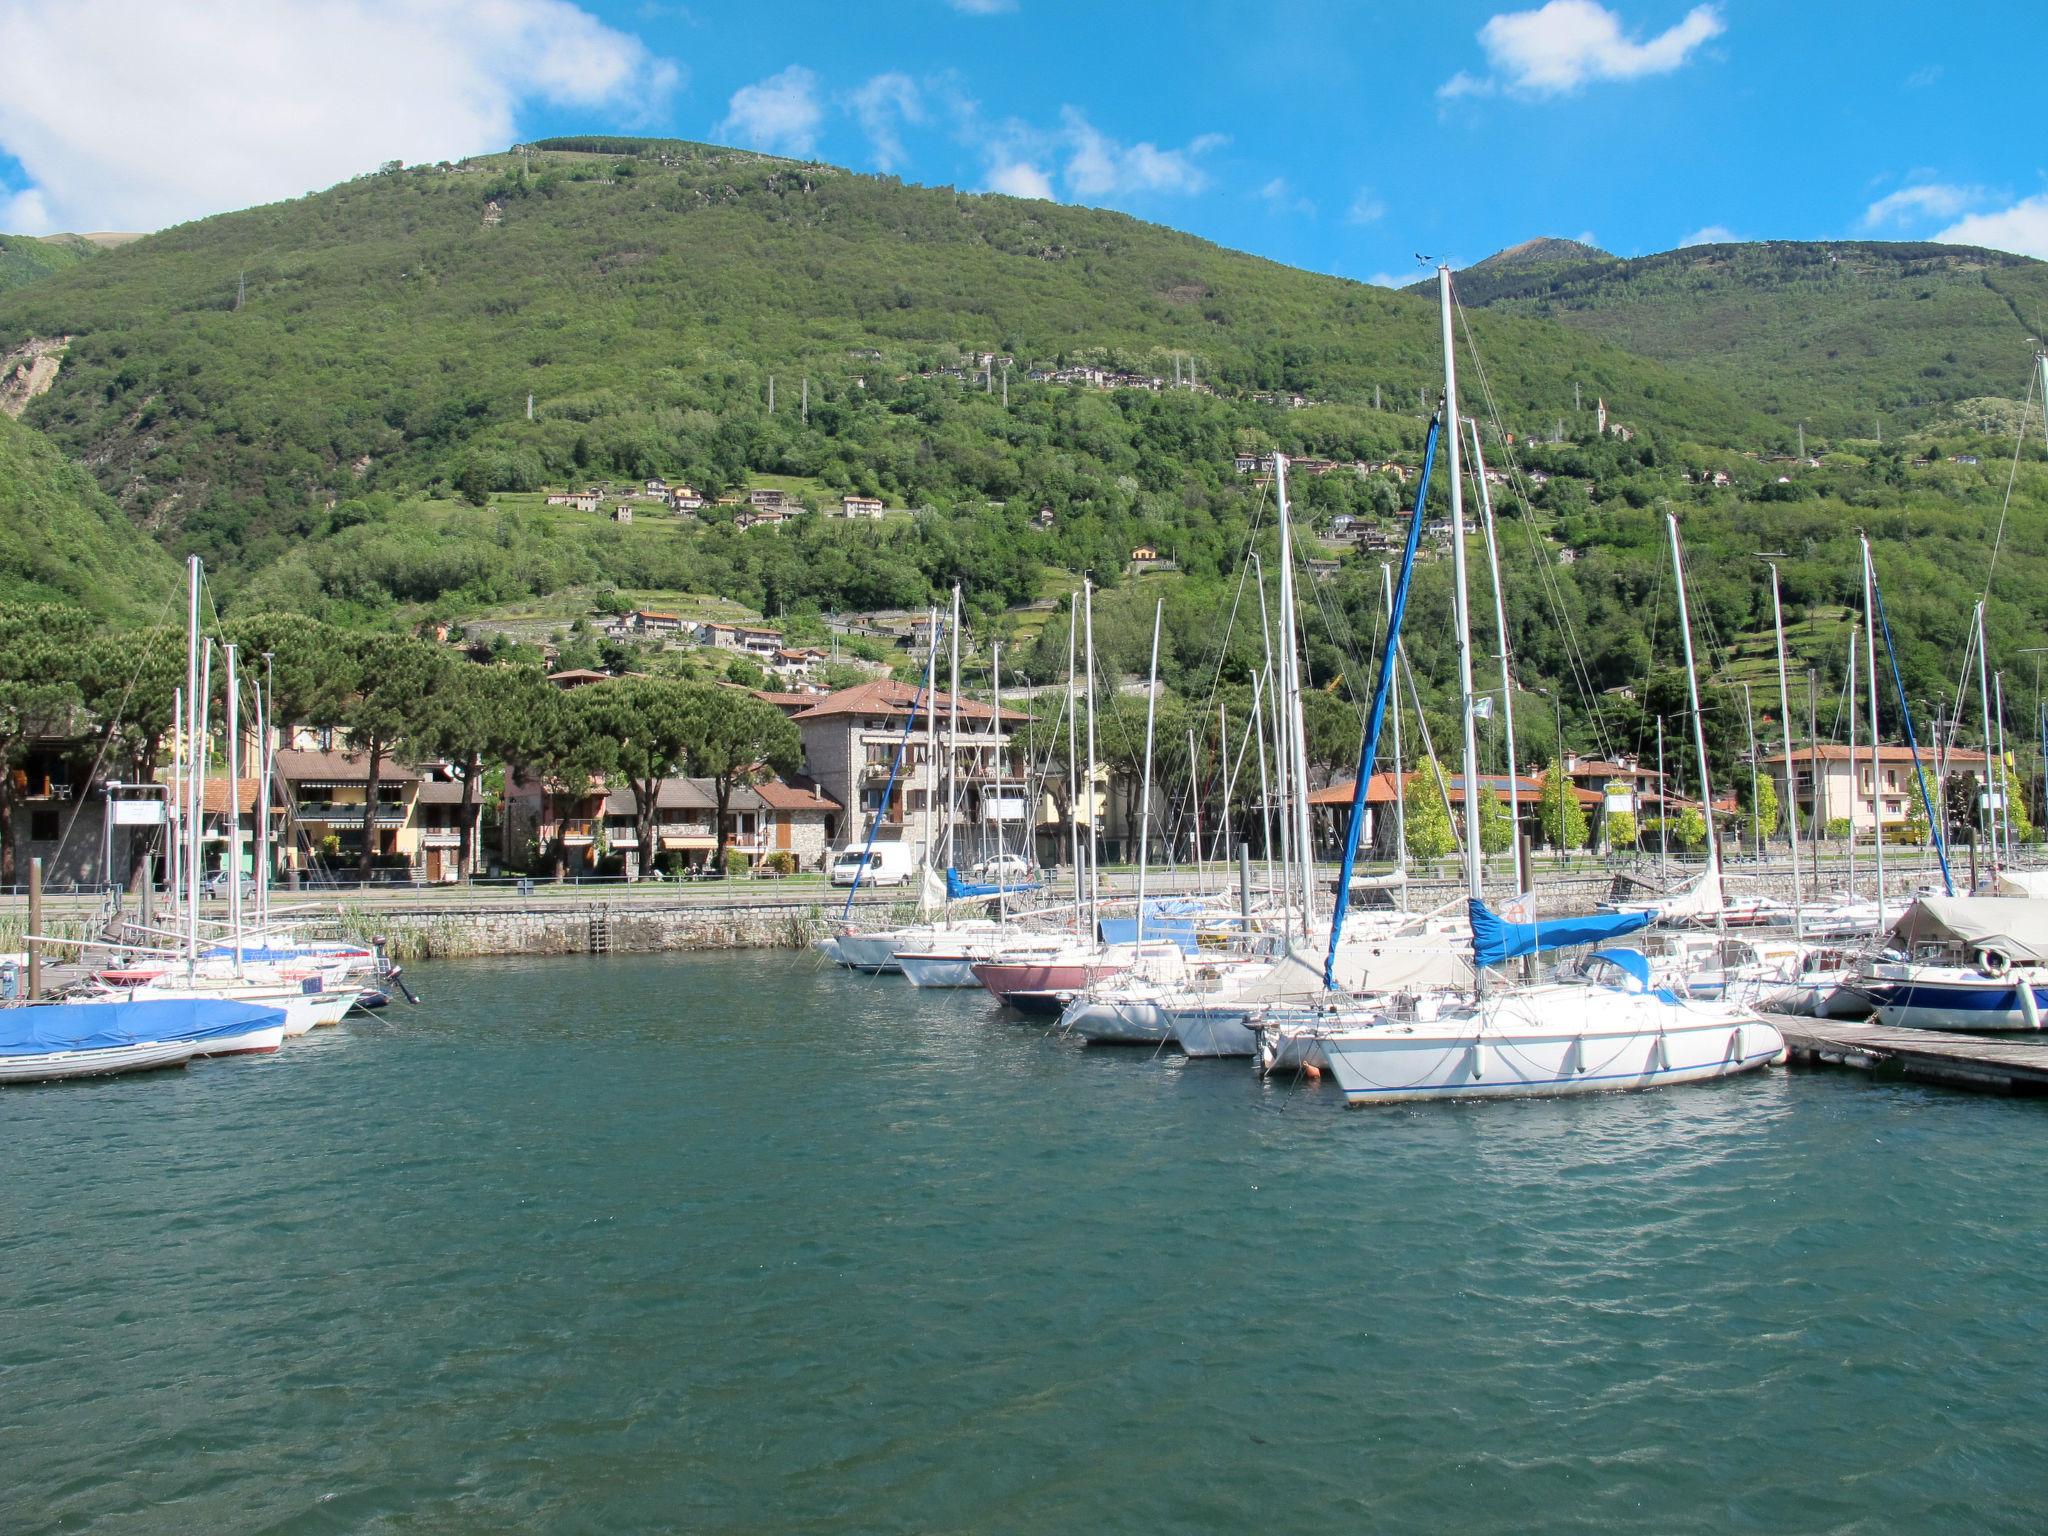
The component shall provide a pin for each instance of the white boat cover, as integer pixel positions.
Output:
(2019, 882)
(2018, 925)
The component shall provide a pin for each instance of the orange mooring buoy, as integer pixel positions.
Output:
(1312, 1072)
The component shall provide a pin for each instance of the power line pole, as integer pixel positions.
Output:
(771, 394)
(804, 406)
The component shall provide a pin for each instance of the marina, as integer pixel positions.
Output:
(2017, 1065)
(888, 1260)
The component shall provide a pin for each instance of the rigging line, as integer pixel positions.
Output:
(2012, 478)
(1575, 660)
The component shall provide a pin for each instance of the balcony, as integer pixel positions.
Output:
(335, 814)
(575, 831)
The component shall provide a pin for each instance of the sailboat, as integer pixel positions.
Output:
(1607, 1027)
(1207, 1009)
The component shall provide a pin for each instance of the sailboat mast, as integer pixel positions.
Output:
(1785, 734)
(234, 810)
(995, 689)
(1699, 729)
(189, 725)
(1855, 639)
(1094, 863)
(1400, 786)
(1073, 731)
(1461, 584)
(1290, 702)
(1278, 790)
(1145, 790)
(204, 722)
(1876, 741)
(953, 750)
(1258, 729)
(1984, 697)
(1507, 683)
(2004, 787)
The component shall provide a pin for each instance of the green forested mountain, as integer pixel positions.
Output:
(390, 331)
(329, 399)
(1840, 335)
(63, 540)
(24, 258)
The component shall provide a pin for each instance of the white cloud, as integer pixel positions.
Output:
(1098, 166)
(982, 7)
(1020, 178)
(2021, 229)
(1365, 208)
(1560, 46)
(24, 213)
(1393, 279)
(1921, 78)
(883, 104)
(1712, 234)
(1933, 201)
(132, 114)
(780, 114)
(1279, 195)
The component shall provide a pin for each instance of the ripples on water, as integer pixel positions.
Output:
(735, 1242)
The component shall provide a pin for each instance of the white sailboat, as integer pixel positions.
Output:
(1609, 1029)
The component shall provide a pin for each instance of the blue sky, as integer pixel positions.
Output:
(1343, 138)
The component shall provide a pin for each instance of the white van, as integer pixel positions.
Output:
(887, 864)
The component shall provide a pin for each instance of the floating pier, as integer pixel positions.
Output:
(2013, 1064)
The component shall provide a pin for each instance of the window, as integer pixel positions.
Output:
(42, 826)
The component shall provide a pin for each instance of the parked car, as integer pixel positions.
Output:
(216, 884)
(1003, 866)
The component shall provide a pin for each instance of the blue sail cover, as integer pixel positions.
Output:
(1495, 939)
(42, 1028)
(962, 890)
(1167, 921)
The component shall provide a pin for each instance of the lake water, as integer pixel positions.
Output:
(736, 1242)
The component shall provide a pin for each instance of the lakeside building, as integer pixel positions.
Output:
(1844, 795)
(851, 740)
(581, 831)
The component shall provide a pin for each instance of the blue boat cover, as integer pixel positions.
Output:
(1166, 921)
(1495, 939)
(41, 1028)
(960, 890)
(1632, 961)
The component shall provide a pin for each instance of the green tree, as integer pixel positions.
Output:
(39, 645)
(1496, 828)
(1564, 822)
(1427, 816)
(642, 728)
(1689, 831)
(739, 740)
(1621, 830)
(1761, 819)
(394, 680)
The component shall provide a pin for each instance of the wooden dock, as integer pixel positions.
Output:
(2010, 1064)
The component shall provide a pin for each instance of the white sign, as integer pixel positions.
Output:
(1623, 804)
(138, 813)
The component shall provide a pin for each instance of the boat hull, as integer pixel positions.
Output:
(872, 953)
(99, 1061)
(1405, 1063)
(1117, 1021)
(1967, 1007)
(1003, 978)
(260, 1041)
(937, 971)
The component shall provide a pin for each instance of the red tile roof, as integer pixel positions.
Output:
(885, 696)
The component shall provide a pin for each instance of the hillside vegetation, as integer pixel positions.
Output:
(393, 327)
(1840, 335)
(24, 258)
(63, 540)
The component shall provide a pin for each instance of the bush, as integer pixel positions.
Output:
(735, 863)
(1837, 828)
(781, 862)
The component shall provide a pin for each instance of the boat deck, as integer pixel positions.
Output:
(2012, 1064)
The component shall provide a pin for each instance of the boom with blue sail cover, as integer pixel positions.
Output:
(1495, 940)
(1389, 658)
